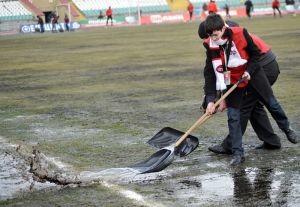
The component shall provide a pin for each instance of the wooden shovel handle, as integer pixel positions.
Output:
(206, 116)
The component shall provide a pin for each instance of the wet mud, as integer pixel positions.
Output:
(194, 180)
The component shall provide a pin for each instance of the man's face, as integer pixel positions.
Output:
(216, 35)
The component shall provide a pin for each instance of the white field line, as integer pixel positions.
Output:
(137, 198)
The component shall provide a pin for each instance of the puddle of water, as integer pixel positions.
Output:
(253, 186)
(204, 189)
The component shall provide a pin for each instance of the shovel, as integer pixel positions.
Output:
(168, 136)
(164, 157)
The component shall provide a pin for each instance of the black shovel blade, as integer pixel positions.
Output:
(156, 162)
(168, 136)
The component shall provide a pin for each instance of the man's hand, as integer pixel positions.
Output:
(222, 106)
(247, 75)
(210, 109)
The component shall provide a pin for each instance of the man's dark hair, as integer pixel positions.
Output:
(203, 34)
(213, 22)
(201, 31)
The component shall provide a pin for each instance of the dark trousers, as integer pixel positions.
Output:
(274, 13)
(54, 27)
(248, 12)
(67, 26)
(42, 28)
(261, 124)
(191, 15)
(261, 88)
(111, 20)
(252, 108)
(235, 132)
(234, 101)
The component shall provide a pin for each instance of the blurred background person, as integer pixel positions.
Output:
(275, 6)
(109, 14)
(41, 23)
(249, 8)
(290, 6)
(67, 21)
(190, 9)
(54, 22)
(204, 9)
(226, 8)
(101, 16)
(212, 7)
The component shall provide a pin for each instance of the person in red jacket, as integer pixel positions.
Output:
(252, 109)
(212, 7)
(190, 9)
(109, 14)
(275, 6)
(234, 51)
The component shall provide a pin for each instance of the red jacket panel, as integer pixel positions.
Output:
(275, 4)
(190, 7)
(212, 7)
(109, 12)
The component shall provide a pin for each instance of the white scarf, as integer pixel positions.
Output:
(234, 60)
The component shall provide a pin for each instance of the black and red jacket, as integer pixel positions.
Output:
(241, 42)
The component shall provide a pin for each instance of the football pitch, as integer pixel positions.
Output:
(92, 98)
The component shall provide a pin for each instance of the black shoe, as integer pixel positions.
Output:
(291, 135)
(267, 146)
(219, 149)
(236, 160)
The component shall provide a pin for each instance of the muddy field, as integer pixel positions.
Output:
(77, 109)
